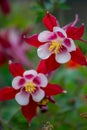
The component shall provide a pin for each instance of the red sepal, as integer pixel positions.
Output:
(78, 57)
(52, 89)
(50, 21)
(75, 32)
(33, 40)
(16, 69)
(7, 93)
(29, 111)
(48, 65)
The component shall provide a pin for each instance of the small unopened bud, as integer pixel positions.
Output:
(43, 108)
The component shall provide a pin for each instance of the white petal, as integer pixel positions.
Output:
(69, 44)
(43, 80)
(43, 51)
(22, 98)
(38, 95)
(16, 81)
(46, 36)
(58, 29)
(63, 57)
(29, 74)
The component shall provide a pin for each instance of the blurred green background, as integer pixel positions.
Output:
(65, 115)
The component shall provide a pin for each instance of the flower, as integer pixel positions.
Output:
(30, 85)
(30, 89)
(57, 43)
(12, 47)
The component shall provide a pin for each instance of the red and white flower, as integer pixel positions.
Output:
(30, 84)
(58, 43)
(29, 88)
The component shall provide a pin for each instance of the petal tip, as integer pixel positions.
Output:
(76, 16)
(47, 12)
(10, 62)
(64, 91)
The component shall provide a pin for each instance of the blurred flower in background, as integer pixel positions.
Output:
(13, 47)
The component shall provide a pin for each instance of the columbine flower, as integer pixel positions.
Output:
(58, 43)
(13, 47)
(30, 85)
(30, 89)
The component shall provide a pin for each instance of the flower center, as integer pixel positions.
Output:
(30, 87)
(55, 46)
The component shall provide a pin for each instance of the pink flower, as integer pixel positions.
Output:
(57, 43)
(13, 47)
(29, 88)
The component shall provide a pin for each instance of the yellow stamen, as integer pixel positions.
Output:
(44, 101)
(55, 46)
(30, 87)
